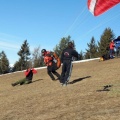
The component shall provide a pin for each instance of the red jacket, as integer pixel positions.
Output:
(112, 45)
(29, 73)
(28, 70)
(48, 59)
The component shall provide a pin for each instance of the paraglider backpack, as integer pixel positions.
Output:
(56, 59)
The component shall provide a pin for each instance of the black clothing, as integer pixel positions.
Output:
(66, 71)
(68, 54)
(67, 58)
(52, 70)
(30, 75)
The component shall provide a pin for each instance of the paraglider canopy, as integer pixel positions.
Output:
(97, 7)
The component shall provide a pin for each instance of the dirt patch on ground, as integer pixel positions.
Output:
(83, 99)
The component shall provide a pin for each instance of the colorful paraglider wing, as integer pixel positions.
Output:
(97, 7)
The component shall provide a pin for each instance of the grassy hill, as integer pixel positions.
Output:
(83, 98)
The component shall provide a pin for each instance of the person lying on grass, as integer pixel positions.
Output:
(28, 79)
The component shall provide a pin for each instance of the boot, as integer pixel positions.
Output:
(13, 84)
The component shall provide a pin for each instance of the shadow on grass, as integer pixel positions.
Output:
(37, 80)
(105, 88)
(78, 80)
(31, 82)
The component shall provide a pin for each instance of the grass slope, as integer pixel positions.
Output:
(82, 99)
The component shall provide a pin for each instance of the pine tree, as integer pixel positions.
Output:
(103, 44)
(81, 56)
(62, 45)
(4, 63)
(17, 66)
(24, 54)
(92, 51)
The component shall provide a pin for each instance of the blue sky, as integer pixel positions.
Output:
(44, 22)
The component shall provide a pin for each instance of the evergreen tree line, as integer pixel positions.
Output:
(35, 59)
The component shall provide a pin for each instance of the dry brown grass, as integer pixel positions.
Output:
(47, 100)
